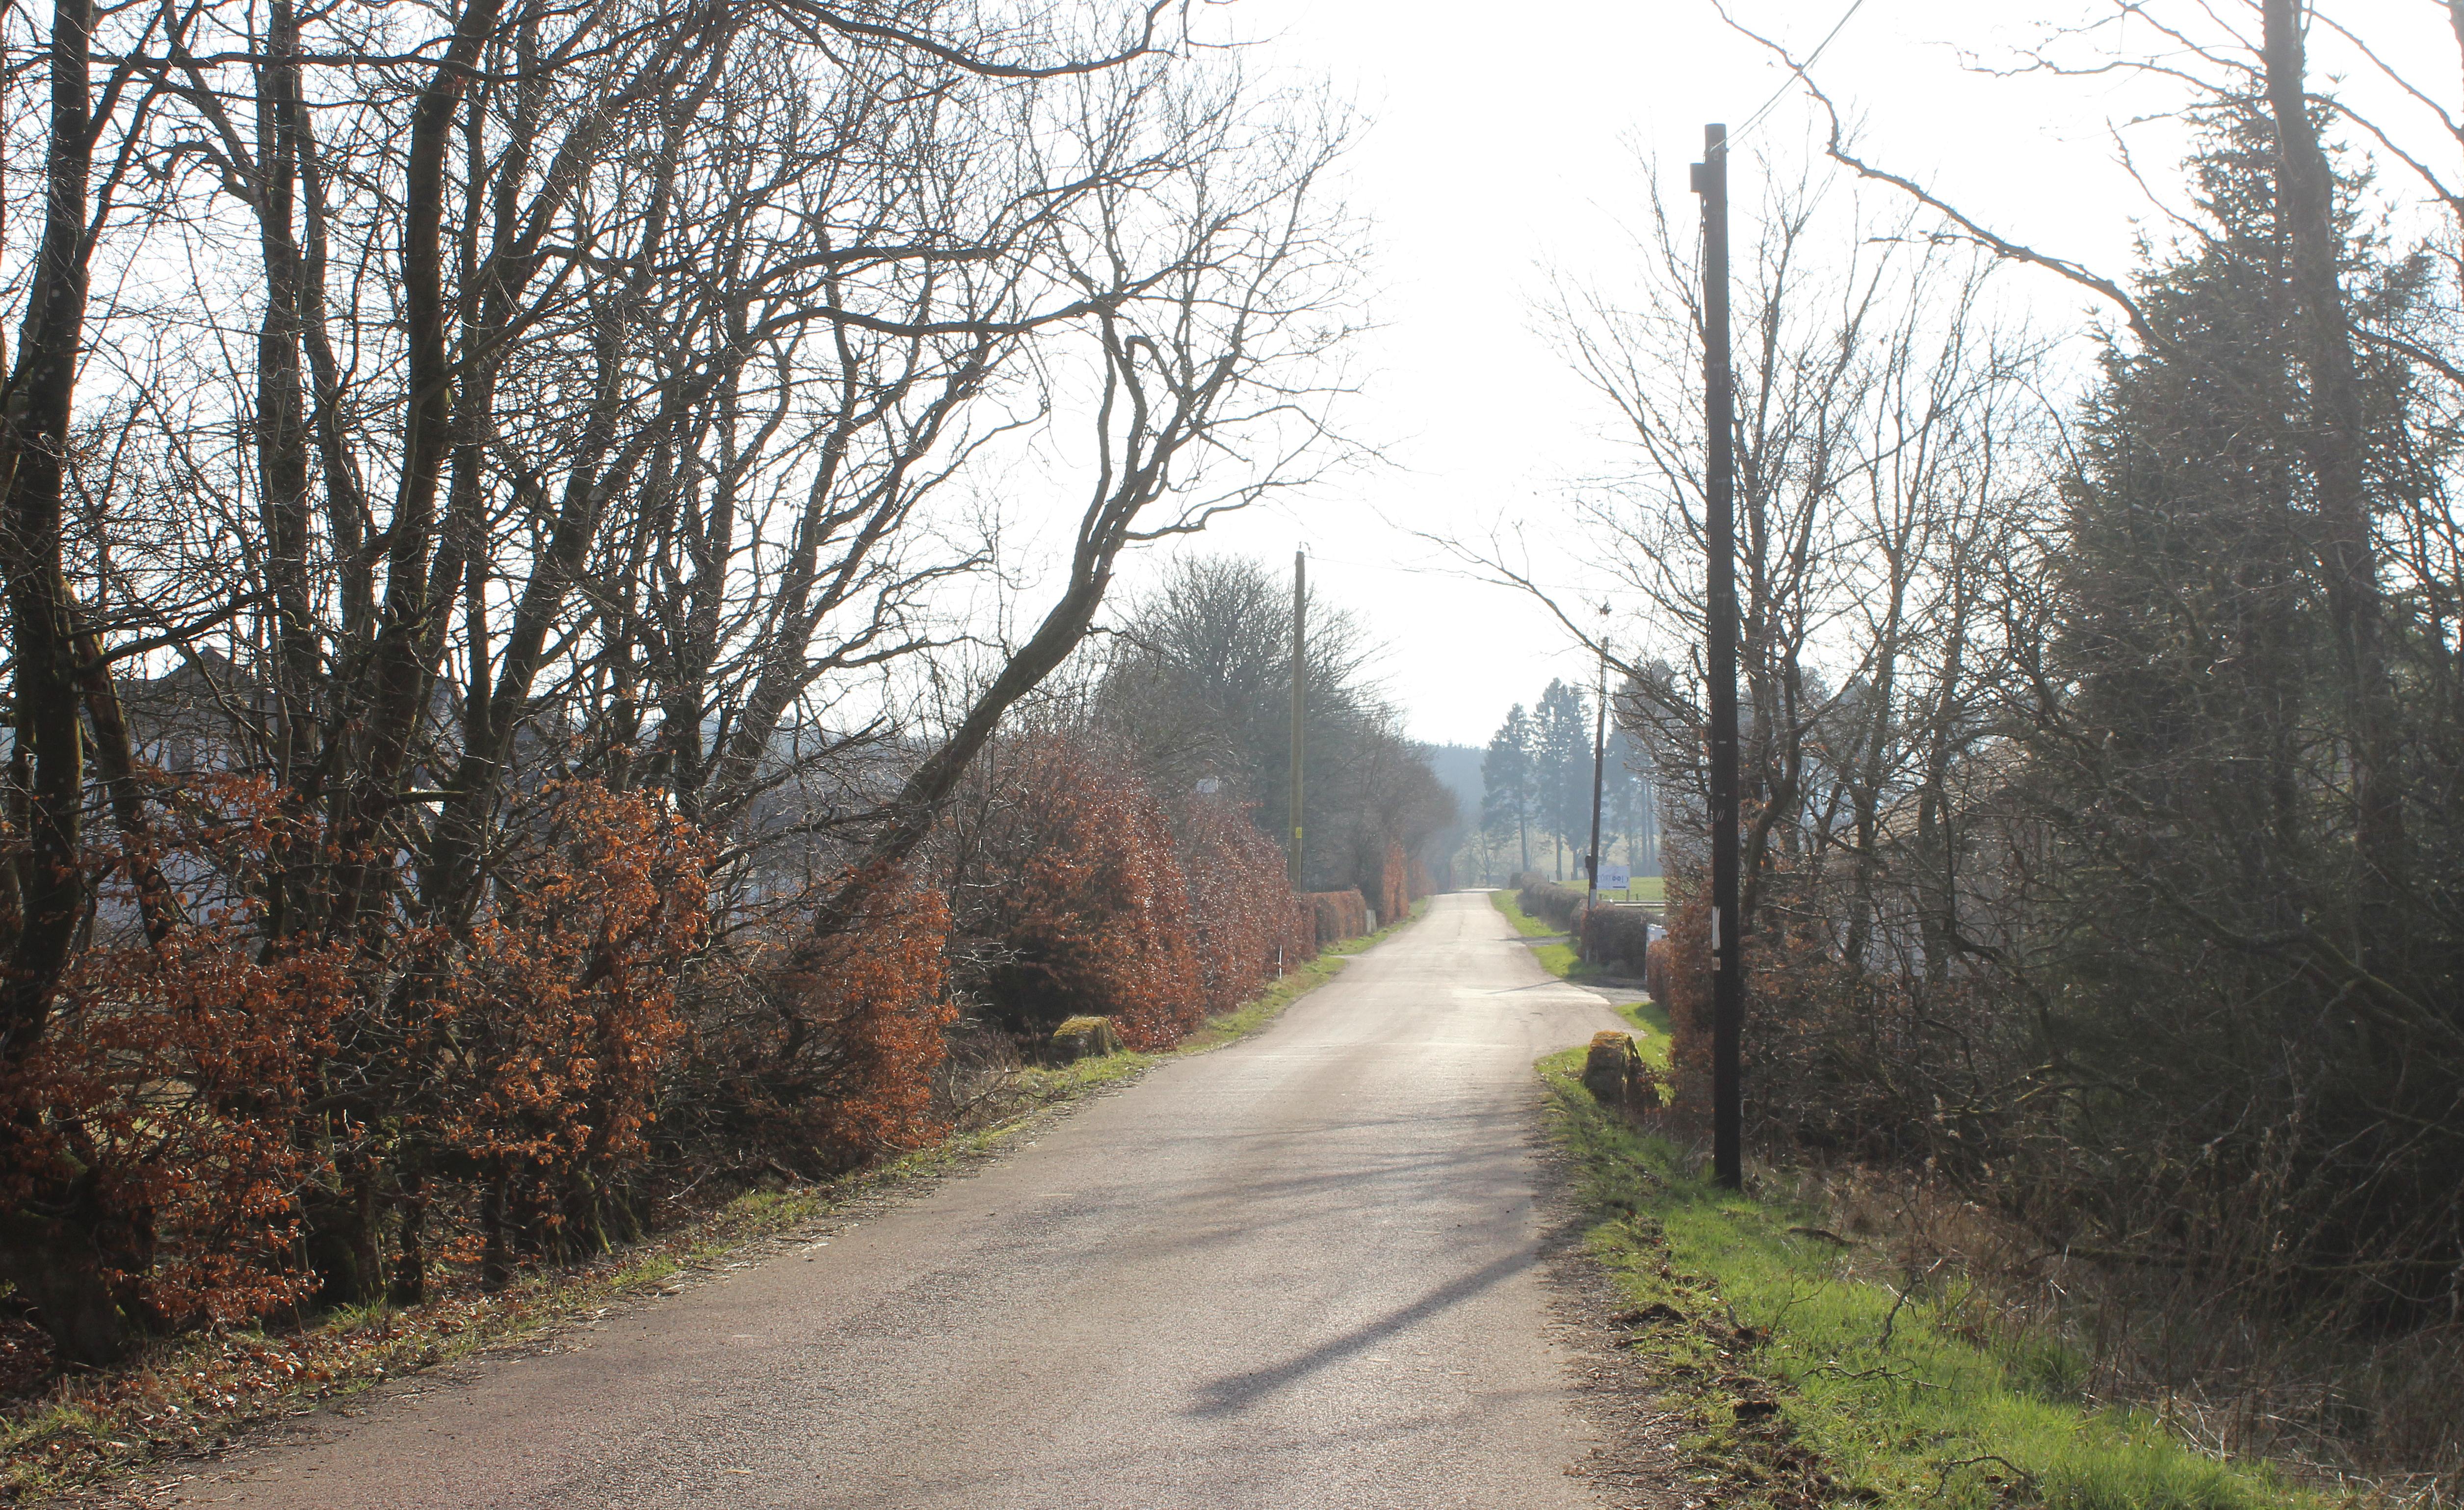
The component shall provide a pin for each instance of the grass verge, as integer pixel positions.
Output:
(1524, 924)
(96, 1434)
(1815, 1375)
(1650, 1021)
(1558, 957)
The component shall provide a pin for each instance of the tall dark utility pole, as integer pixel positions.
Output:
(1720, 546)
(1300, 685)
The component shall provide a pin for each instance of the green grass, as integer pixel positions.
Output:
(1852, 1392)
(1524, 924)
(1645, 888)
(1557, 958)
(1650, 1021)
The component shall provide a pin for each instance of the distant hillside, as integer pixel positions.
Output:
(1458, 765)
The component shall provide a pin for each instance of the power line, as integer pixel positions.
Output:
(1470, 574)
(1796, 72)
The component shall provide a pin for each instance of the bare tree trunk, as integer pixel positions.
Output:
(408, 1284)
(397, 673)
(47, 1247)
(51, 880)
(281, 418)
(2335, 442)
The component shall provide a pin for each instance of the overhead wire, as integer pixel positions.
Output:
(1587, 594)
(1796, 71)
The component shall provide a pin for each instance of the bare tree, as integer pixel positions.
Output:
(1883, 421)
(507, 395)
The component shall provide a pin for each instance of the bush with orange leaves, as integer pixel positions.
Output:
(1393, 885)
(820, 1054)
(148, 1151)
(1300, 929)
(1244, 926)
(1337, 915)
(1087, 907)
(229, 1110)
(543, 1029)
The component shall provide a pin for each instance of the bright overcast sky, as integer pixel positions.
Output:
(1503, 140)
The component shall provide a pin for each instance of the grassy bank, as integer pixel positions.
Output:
(1558, 957)
(1524, 924)
(1814, 1372)
(189, 1397)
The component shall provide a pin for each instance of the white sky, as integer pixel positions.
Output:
(1502, 139)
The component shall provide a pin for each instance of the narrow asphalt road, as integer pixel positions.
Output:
(1301, 1271)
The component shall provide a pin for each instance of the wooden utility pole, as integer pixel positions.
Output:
(1647, 850)
(1599, 769)
(1720, 546)
(1300, 693)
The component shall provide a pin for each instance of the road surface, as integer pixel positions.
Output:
(1300, 1271)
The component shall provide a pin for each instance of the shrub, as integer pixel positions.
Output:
(1551, 904)
(544, 1031)
(1097, 920)
(1241, 918)
(819, 1056)
(150, 1141)
(227, 1097)
(1654, 969)
(1685, 989)
(1300, 931)
(1393, 885)
(1339, 914)
(1617, 936)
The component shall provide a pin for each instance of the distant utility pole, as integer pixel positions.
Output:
(1300, 684)
(1649, 837)
(1720, 545)
(1600, 768)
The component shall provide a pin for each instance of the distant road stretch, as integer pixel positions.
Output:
(1296, 1271)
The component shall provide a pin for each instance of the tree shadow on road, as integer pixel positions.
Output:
(1237, 1392)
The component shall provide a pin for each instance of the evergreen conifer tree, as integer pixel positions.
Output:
(1563, 759)
(1506, 775)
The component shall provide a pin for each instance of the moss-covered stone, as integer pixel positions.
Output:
(1615, 1074)
(1086, 1038)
